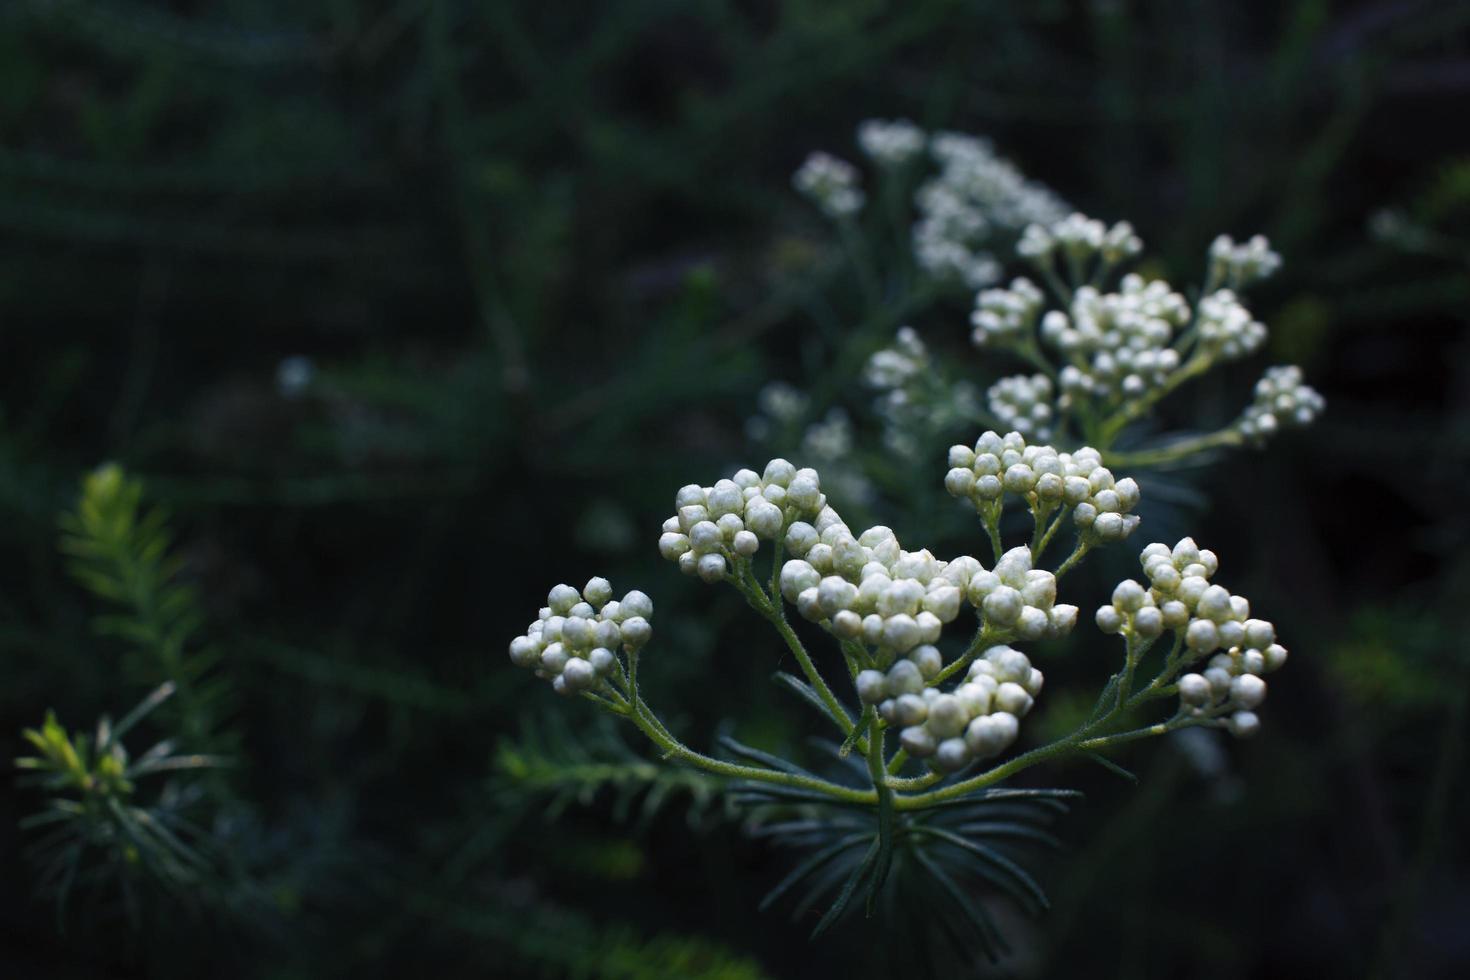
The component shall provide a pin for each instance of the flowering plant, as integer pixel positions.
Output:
(934, 723)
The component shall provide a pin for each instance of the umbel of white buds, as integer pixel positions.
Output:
(866, 588)
(1213, 624)
(1025, 403)
(1240, 265)
(890, 143)
(714, 524)
(1226, 328)
(979, 719)
(1282, 401)
(574, 641)
(1078, 239)
(1018, 601)
(914, 398)
(1045, 479)
(1006, 316)
(831, 184)
(1117, 343)
(975, 194)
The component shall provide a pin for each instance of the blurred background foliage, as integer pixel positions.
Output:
(405, 311)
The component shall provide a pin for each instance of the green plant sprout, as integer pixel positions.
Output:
(96, 829)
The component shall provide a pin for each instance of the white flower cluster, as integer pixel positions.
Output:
(1078, 239)
(974, 191)
(890, 143)
(1020, 601)
(1240, 265)
(1025, 403)
(1282, 401)
(1180, 597)
(714, 524)
(978, 720)
(573, 641)
(1226, 328)
(867, 588)
(914, 398)
(1005, 316)
(831, 184)
(1117, 343)
(1101, 506)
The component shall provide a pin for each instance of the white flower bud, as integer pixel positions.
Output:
(1129, 596)
(1275, 656)
(1012, 698)
(763, 518)
(901, 632)
(636, 632)
(711, 568)
(904, 677)
(1247, 691)
(917, 742)
(947, 716)
(1202, 636)
(579, 675)
(1109, 620)
(1219, 679)
(524, 652)
(847, 625)
(1175, 614)
(746, 543)
(1194, 690)
(562, 598)
(928, 659)
(1003, 606)
(1259, 634)
(952, 755)
(554, 658)
(808, 604)
(1244, 724)
(603, 660)
(796, 577)
(872, 686)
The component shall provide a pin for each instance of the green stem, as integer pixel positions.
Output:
(650, 726)
(1078, 553)
(1176, 451)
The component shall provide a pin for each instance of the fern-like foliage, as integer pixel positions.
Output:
(123, 554)
(557, 767)
(932, 870)
(96, 831)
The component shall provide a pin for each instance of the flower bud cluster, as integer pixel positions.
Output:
(1213, 623)
(1282, 401)
(975, 193)
(1117, 343)
(831, 184)
(1019, 601)
(1079, 238)
(1006, 316)
(1226, 328)
(1024, 402)
(978, 720)
(574, 640)
(1240, 265)
(890, 143)
(915, 399)
(714, 524)
(867, 588)
(1045, 478)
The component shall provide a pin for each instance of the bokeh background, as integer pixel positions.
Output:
(409, 310)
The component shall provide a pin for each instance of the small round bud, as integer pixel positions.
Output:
(1012, 698)
(917, 742)
(579, 675)
(746, 543)
(904, 677)
(603, 660)
(1129, 596)
(524, 652)
(1247, 691)
(1148, 622)
(636, 632)
(562, 598)
(1109, 620)
(1194, 690)
(1202, 636)
(928, 659)
(711, 568)
(952, 755)
(1244, 724)
(597, 591)
(1003, 606)
(872, 687)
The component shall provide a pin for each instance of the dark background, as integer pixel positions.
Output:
(542, 257)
